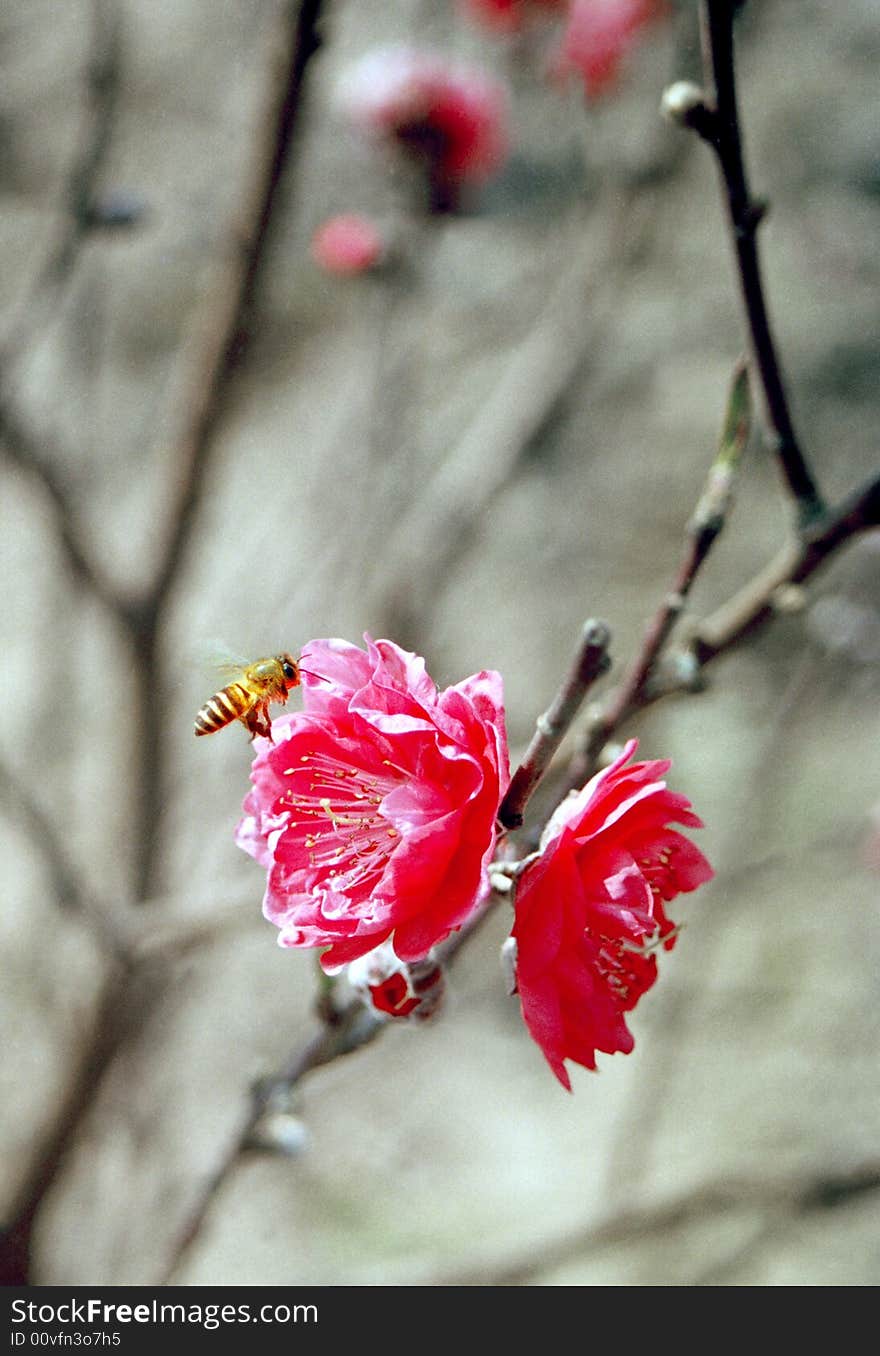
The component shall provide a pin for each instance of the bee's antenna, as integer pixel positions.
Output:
(320, 677)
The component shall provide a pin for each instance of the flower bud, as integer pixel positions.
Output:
(393, 988)
(681, 100)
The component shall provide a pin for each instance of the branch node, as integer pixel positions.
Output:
(749, 218)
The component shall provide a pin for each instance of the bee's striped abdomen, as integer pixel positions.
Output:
(226, 705)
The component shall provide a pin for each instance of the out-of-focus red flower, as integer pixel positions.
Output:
(597, 37)
(347, 244)
(374, 809)
(508, 16)
(593, 902)
(396, 989)
(453, 117)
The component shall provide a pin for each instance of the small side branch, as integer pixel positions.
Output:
(756, 603)
(590, 662)
(342, 1031)
(703, 529)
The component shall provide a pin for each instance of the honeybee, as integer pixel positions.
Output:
(247, 698)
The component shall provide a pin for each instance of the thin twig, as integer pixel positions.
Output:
(352, 1027)
(756, 603)
(590, 662)
(705, 525)
(342, 1031)
(720, 127)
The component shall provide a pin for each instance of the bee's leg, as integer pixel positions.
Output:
(258, 722)
(254, 722)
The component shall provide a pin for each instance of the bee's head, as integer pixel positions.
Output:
(290, 669)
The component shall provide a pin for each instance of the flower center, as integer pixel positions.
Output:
(659, 871)
(335, 820)
(611, 967)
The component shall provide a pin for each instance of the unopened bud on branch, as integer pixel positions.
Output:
(684, 104)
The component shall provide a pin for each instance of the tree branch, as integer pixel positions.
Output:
(719, 126)
(82, 182)
(69, 893)
(26, 450)
(213, 348)
(211, 356)
(758, 603)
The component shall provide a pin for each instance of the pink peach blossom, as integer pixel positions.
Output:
(453, 117)
(592, 904)
(374, 809)
(597, 38)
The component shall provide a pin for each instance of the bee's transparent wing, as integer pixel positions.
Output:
(216, 659)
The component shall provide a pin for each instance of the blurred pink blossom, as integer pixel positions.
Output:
(597, 38)
(452, 117)
(347, 244)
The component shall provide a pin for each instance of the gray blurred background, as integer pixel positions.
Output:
(499, 434)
